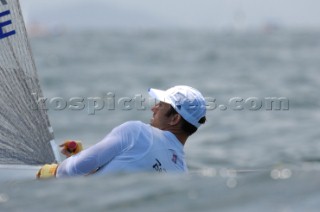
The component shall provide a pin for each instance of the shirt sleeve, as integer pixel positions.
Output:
(120, 139)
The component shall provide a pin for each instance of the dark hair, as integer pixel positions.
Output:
(188, 128)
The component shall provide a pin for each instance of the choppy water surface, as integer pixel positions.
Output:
(281, 145)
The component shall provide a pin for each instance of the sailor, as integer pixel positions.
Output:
(138, 147)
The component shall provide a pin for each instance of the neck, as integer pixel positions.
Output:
(182, 137)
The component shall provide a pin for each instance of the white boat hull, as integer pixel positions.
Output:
(18, 172)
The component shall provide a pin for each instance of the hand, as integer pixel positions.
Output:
(47, 171)
(70, 147)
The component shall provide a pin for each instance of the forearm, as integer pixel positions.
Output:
(81, 164)
(91, 159)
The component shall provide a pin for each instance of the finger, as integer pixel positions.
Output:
(65, 152)
(38, 174)
(64, 143)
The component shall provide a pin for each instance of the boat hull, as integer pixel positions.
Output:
(18, 172)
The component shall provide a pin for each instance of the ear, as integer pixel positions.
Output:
(175, 119)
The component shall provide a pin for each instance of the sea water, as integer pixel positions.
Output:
(251, 155)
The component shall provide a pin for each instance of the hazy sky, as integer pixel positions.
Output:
(181, 13)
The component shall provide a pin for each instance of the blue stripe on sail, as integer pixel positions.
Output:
(7, 12)
(6, 23)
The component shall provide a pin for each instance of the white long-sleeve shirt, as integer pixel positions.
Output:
(130, 147)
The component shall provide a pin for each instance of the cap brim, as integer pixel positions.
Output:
(159, 95)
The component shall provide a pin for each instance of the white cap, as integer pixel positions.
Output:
(187, 101)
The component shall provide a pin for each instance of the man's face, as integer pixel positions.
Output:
(159, 118)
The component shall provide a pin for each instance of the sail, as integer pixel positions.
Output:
(25, 133)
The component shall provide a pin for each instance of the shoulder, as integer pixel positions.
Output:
(131, 128)
(136, 125)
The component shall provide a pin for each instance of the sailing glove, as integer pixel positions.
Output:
(47, 171)
(70, 147)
